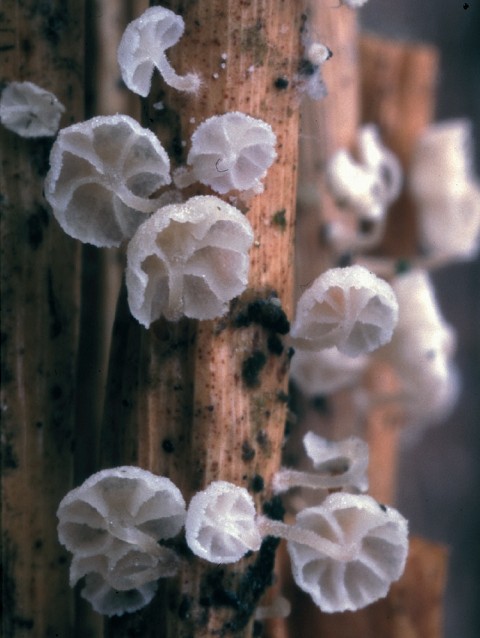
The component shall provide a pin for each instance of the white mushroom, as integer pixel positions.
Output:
(142, 49)
(369, 186)
(29, 110)
(322, 372)
(422, 349)
(188, 259)
(341, 464)
(353, 4)
(446, 191)
(349, 308)
(101, 173)
(220, 525)
(346, 552)
(112, 524)
(108, 601)
(232, 151)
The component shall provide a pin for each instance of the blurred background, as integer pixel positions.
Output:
(440, 471)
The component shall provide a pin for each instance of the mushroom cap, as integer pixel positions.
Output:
(188, 259)
(375, 540)
(108, 601)
(349, 308)
(142, 49)
(323, 372)
(29, 110)
(347, 458)
(220, 525)
(101, 173)
(446, 191)
(232, 152)
(118, 508)
(422, 349)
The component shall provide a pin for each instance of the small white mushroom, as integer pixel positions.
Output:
(232, 151)
(323, 372)
(369, 186)
(349, 308)
(341, 464)
(142, 49)
(108, 601)
(102, 172)
(346, 552)
(279, 608)
(220, 525)
(188, 259)
(353, 4)
(112, 524)
(446, 191)
(422, 349)
(29, 110)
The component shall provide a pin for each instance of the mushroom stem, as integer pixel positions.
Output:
(190, 82)
(296, 534)
(133, 536)
(286, 479)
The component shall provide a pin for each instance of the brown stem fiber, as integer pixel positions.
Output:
(41, 43)
(203, 401)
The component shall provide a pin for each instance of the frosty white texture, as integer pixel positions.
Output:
(325, 371)
(142, 49)
(354, 4)
(108, 601)
(369, 186)
(232, 152)
(340, 464)
(220, 525)
(112, 524)
(422, 348)
(101, 173)
(349, 308)
(446, 190)
(188, 259)
(347, 458)
(29, 110)
(371, 542)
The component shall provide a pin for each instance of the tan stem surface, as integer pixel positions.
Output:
(206, 401)
(42, 43)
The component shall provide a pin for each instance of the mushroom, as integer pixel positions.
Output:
(108, 601)
(142, 49)
(29, 110)
(112, 524)
(369, 186)
(188, 259)
(349, 308)
(102, 172)
(220, 524)
(446, 191)
(346, 552)
(422, 349)
(230, 152)
(322, 372)
(341, 464)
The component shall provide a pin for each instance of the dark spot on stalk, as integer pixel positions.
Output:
(9, 457)
(248, 453)
(307, 68)
(281, 83)
(56, 392)
(267, 313)
(274, 344)
(282, 396)
(257, 483)
(279, 219)
(168, 446)
(251, 368)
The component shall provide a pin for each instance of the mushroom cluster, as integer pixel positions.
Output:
(112, 524)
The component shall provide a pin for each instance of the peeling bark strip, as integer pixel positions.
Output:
(186, 383)
(41, 42)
